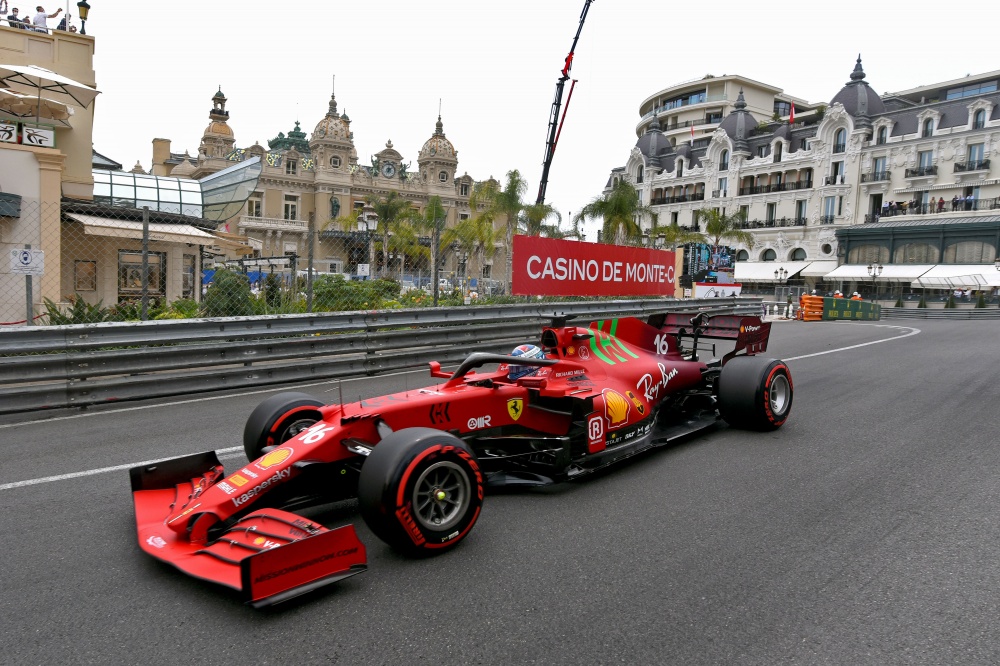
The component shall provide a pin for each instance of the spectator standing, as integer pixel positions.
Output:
(954, 203)
(15, 21)
(64, 22)
(940, 204)
(41, 24)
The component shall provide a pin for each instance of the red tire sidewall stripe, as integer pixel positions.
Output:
(767, 393)
(296, 410)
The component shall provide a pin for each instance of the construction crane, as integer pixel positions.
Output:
(555, 122)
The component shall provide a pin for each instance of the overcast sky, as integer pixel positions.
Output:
(494, 66)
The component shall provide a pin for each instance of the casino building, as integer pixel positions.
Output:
(902, 180)
(319, 177)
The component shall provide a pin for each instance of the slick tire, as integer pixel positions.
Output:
(421, 491)
(755, 393)
(278, 419)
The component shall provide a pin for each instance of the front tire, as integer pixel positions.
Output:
(755, 393)
(278, 419)
(421, 491)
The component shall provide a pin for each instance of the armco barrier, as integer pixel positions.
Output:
(87, 364)
(941, 313)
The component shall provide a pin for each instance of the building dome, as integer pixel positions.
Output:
(739, 124)
(438, 147)
(858, 98)
(652, 144)
(332, 126)
(218, 128)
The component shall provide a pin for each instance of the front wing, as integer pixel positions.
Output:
(268, 555)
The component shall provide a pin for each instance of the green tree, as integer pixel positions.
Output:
(533, 218)
(503, 204)
(393, 212)
(674, 235)
(228, 295)
(720, 226)
(620, 210)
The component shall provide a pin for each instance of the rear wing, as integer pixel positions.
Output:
(750, 333)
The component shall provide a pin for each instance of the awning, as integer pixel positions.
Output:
(890, 272)
(763, 271)
(819, 268)
(158, 231)
(37, 81)
(966, 276)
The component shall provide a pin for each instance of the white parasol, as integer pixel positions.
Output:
(36, 80)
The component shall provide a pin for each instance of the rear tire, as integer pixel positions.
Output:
(421, 491)
(755, 393)
(278, 419)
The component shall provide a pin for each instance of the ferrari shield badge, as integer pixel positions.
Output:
(514, 407)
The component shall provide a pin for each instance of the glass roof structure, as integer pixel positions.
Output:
(217, 197)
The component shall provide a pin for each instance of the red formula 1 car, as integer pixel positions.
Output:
(419, 462)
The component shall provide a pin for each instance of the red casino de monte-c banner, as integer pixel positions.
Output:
(550, 267)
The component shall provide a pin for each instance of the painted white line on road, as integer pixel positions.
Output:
(119, 410)
(231, 452)
(237, 451)
(912, 331)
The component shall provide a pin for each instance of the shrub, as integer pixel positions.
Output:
(950, 303)
(228, 296)
(899, 302)
(923, 302)
(79, 312)
(981, 300)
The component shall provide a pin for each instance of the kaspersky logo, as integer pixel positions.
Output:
(279, 476)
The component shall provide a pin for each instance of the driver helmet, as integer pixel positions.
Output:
(527, 351)
(814, 292)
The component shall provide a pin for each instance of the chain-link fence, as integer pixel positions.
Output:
(82, 262)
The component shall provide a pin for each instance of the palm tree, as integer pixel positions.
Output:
(504, 203)
(620, 209)
(533, 218)
(674, 235)
(393, 211)
(475, 237)
(431, 220)
(722, 227)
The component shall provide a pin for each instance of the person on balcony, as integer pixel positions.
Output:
(940, 204)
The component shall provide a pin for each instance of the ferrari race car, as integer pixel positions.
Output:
(420, 462)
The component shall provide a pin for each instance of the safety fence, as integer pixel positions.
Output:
(86, 262)
(88, 364)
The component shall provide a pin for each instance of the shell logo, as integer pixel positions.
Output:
(273, 458)
(743, 329)
(616, 408)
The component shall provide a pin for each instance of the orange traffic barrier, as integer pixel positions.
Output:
(812, 308)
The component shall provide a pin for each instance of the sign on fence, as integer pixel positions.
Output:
(551, 267)
(27, 262)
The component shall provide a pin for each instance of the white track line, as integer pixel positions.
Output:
(912, 331)
(231, 452)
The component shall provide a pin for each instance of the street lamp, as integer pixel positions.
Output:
(82, 10)
(781, 276)
(874, 270)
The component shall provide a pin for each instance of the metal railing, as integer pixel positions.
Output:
(775, 223)
(278, 224)
(839, 147)
(920, 172)
(972, 165)
(875, 176)
(88, 364)
(826, 219)
(834, 180)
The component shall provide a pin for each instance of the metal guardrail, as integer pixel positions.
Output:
(88, 364)
(941, 313)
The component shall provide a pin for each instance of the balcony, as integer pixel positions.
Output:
(972, 165)
(834, 180)
(839, 147)
(921, 172)
(826, 219)
(875, 176)
(273, 224)
(661, 201)
(954, 205)
(716, 194)
(685, 101)
(777, 223)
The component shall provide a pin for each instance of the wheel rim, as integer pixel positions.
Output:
(295, 428)
(779, 394)
(441, 496)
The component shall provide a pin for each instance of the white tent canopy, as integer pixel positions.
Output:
(763, 271)
(819, 268)
(158, 231)
(965, 276)
(890, 272)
